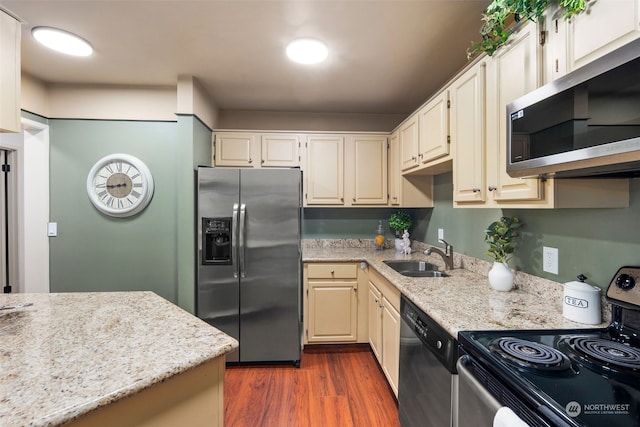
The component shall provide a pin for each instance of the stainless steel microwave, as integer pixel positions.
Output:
(586, 123)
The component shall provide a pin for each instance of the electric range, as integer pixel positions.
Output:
(567, 377)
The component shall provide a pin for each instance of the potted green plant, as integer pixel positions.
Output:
(399, 221)
(500, 237)
(501, 17)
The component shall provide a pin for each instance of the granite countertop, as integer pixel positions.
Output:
(464, 300)
(70, 353)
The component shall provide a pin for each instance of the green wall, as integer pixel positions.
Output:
(355, 223)
(193, 151)
(155, 249)
(594, 242)
(94, 252)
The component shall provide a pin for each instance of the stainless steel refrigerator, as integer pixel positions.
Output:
(249, 260)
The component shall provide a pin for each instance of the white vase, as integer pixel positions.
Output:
(398, 244)
(500, 277)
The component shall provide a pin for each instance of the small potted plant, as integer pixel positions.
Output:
(500, 237)
(398, 222)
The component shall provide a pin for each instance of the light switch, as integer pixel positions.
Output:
(52, 229)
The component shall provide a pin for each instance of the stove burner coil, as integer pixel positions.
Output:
(615, 354)
(529, 354)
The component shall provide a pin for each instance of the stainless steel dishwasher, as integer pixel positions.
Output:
(427, 387)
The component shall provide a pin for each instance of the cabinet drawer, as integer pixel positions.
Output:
(332, 271)
(390, 292)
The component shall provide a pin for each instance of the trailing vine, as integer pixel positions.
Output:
(499, 19)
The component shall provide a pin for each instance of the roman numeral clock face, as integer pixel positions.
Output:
(120, 185)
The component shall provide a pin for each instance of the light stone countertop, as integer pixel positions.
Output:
(71, 353)
(464, 300)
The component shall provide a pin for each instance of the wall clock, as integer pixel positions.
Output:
(120, 185)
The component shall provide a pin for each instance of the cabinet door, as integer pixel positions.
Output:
(374, 304)
(333, 311)
(368, 169)
(511, 73)
(280, 150)
(468, 135)
(555, 46)
(236, 149)
(9, 73)
(325, 170)
(394, 175)
(390, 343)
(606, 26)
(433, 123)
(409, 138)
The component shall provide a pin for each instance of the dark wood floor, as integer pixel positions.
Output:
(335, 386)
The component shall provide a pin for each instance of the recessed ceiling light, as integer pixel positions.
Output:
(307, 51)
(62, 41)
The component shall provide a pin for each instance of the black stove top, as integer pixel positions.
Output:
(571, 377)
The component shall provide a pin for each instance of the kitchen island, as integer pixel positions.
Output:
(104, 359)
(464, 300)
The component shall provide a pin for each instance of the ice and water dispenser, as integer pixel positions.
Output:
(216, 240)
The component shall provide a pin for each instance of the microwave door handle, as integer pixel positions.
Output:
(234, 240)
(242, 238)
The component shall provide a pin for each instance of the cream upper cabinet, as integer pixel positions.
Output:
(237, 149)
(409, 143)
(468, 133)
(280, 150)
(325, 170)
(606, 26)
(256, 150)
(9, 73)
(394, 174)
(433, 128)
(512, 72)
(367, 170)
(554, 51)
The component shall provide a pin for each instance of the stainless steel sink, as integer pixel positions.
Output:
(425, 273)
(416, 268)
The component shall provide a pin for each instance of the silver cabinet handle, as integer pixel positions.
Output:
(250, 160)
(492, 188)
(234, 240)
(475, 190)
(242, 234)
(354, 199)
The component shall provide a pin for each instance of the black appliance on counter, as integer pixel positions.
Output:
(567, 377)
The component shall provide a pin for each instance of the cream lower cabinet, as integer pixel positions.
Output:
(384, 326)
(333, 312)
(9, 73)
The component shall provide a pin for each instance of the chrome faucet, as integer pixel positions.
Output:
(447, 255)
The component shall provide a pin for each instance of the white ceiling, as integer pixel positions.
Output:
(386, 56)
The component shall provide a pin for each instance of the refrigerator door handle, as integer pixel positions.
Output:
(242, 238)
(234, 240)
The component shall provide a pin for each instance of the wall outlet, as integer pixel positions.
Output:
(550, 260)
(440, 233)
